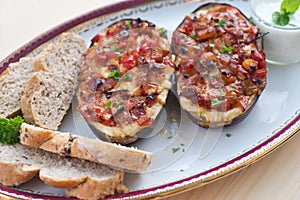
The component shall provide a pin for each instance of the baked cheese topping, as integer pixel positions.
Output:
(219, 65)
(125, 74)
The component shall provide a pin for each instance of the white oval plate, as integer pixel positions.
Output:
(185, 155)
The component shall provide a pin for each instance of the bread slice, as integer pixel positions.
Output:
(48, 93)
(46, 99)
(66, 144)
(80, 178)
(11, 84)
(63, 57)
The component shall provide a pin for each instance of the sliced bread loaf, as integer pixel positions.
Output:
(46, 99)
(66, 144)
(63, 57)
(48, 93)
(80, 178)
(11, 84)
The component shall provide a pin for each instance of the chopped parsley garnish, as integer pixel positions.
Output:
(228, 135)
(192, 35)
(226, 49)
(115, 48)
(251, 20)
(287, 8)
(126, 77)
(128, 24)
(181, 170)
(183, 36)
(109, 104)
(220, 89)
(216, 102)
(10, 130)
(162, 31)
(114, 74)
(169, 137)
(221, 22)
(174, 150)
(120, 104)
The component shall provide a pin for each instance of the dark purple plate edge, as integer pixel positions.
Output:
(34, 43)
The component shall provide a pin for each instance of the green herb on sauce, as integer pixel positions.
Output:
(128, 24)
(162, 31)
(183, 36)
(192, 35)
(10, 130)
(216, 102)
(126, 77)
(114, 74)
(226, 49)
(115, 48)
(287, 8)
(221, 22)
(120, 104)
(109, 104)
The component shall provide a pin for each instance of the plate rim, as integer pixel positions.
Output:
(279, 137)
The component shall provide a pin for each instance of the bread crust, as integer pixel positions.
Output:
(86, 189)
(81, 179)
(13, 174)
(95, 150)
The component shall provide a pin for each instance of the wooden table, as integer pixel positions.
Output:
(276, 177)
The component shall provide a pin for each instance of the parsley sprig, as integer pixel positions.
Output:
(114, 74)
(287, 8)
(10, 130)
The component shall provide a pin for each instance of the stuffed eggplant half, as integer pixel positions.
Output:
(221, 64)
(125, 79)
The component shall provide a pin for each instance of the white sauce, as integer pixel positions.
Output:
(265, 8)
(282, 43)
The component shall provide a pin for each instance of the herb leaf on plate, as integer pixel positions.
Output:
(10, 130)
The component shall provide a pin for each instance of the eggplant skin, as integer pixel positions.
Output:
(221, 66)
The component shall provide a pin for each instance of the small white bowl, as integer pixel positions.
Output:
(282, 43)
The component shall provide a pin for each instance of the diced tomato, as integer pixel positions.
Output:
(129, 61)
(262, 64)
(257, 56)
(261, 73)
(145, 50)
(201, 101)
(96, 38)
(169, 63)
(254, 30)
(188, 28)
(110, 32)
